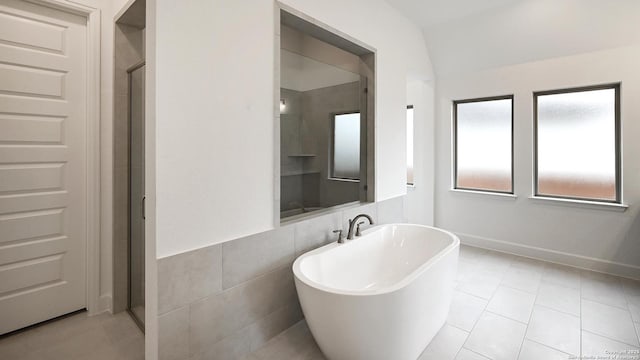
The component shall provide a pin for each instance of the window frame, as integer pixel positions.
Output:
(333, 147)
(412, 184)
(455, 143)
(618, 147)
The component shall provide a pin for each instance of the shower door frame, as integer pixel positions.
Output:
(140, 323)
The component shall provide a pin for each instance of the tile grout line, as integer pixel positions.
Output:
(560, 311)
(581, 285)
(581, 299)
(633, 323)
(547, 346)
(483, 311)
(526, 330)
(608, 338)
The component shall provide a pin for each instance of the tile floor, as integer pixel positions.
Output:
(77, 337)
(509, 307)
(504, 307)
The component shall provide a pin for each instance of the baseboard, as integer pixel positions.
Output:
(105, 302)
(558, 257)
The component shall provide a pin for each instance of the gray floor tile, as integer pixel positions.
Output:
(445, 345)
(78, 337)
(534, 351)
(604, 289)
(465, 310)
(559, 298)
(496, 337)
(608, 321)
(562, 275)
(522, 279)
(512, 303)
(555, 329)
(479, 283)
(466, 354)
(599, 347)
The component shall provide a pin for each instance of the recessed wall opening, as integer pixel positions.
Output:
(326, 117)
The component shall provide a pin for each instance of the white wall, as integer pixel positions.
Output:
(542, 229)
(215, 110)
(420, 204)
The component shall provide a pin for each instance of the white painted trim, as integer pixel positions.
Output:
(276, 115)
(554, 256)
(92, 259)
(485, 193)
(581, 203)
(105, 304)
(123, 9)
(94, 148)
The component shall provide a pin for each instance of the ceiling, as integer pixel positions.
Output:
(428, 13)
(469, 35)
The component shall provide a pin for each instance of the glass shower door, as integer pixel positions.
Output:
(136, 193)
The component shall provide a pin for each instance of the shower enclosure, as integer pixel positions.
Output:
(136, 192)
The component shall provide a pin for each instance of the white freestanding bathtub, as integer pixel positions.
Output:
(383, 295)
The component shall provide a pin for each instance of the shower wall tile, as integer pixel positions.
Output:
(246, 258)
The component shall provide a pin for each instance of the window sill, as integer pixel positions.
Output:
(581, 203)
(344, 180)
(489, 193)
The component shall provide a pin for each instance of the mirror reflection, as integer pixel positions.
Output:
(321, 125)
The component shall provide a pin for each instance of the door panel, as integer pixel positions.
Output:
(42, 164)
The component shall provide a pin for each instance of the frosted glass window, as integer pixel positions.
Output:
(410, 145)
(576, 138)
(346, 146)
(483, 144)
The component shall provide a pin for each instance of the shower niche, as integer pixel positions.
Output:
(326, 119)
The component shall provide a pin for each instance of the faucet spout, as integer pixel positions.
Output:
(352, 224)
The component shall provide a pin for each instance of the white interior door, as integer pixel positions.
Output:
(42, 163)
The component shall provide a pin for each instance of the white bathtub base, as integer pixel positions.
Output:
(396, 324)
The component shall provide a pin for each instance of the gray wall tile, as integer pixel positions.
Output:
(173, 335)
(295, 343)
(313, 233)
(173, 282)
(246, 258)
(207, 323)
(263, 330)
(220, 316)
(392, 210)
(241, 294)
(205, 274)
(234, 347)
(187, 277)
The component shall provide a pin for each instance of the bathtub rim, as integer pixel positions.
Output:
(406, 281)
